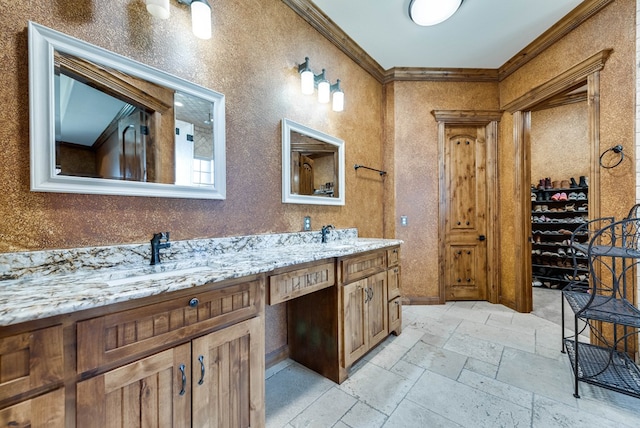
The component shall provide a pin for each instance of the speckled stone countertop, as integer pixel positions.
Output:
(41, 284)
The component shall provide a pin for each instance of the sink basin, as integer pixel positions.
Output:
(152, 276)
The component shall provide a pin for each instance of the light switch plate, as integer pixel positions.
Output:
(404, 220)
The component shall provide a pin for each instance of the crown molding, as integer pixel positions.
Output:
(308, 11)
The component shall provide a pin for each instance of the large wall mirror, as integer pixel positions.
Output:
(312, 166)
(102, 123)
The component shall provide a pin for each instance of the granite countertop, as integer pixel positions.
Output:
(48, 292)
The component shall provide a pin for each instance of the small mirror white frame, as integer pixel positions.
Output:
(290, 127)
(43, 43)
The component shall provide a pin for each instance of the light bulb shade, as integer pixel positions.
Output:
(338, 101)
(201, 19)
(324, 91)
(158, 8)
(432, 12)
(307, 82)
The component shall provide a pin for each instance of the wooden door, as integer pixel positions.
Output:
(306, 175)
(133, 157)
(228, 377)
(377, 307)
(355, 322)
(465, 209)
(152, 392)
(45, 411)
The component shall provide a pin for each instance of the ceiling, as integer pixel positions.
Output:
(481, 34)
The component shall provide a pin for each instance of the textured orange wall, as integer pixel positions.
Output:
(415, 137)
(560, 143)
(252, 58)
(613, 27)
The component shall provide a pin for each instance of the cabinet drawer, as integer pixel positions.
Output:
(393, 257)
(44, 411)
(393, 279)
(30, 360)
(123, 336)
(296, 283)
(354, 268)
(395, 314)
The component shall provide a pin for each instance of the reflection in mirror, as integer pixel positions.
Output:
(101, 123)
(312, 166)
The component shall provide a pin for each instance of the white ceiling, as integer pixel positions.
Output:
(481, 34)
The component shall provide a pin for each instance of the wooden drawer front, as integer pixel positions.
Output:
(123, 336)
(44, 411)
(395, 314)
(289, 285)
(393, 257)
(363, 266)
(393, 276)
(30, 360)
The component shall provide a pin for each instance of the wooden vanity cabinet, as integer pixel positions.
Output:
(211, 375)
(330, 329)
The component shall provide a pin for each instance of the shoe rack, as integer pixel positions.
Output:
(558, 208)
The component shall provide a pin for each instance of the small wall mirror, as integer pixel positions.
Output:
(102, 123)
(312, 166)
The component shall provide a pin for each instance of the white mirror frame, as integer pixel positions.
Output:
(43, 42)
(287, 197)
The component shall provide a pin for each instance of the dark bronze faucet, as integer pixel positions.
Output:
(158, 242)
(325, 231)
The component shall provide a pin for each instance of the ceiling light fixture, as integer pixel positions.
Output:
(200, 14)
(432, 12)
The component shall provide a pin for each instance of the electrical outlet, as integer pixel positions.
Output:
(306, 225)
(404, 220)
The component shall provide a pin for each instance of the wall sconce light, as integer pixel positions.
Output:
(432, 12)
(200, 14)
(309, 81)
(324, 87)
(338, 96)
(306, 77)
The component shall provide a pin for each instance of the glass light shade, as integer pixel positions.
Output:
(324, 91)
(158, 8)
(201, 19)
(338, 101)
(432, 12)
(306, 82)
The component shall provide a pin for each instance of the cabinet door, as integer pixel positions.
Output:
(377, 308)
(46, 411)
(395, 315)
(355, 336)
(228, 377)
(151, 392)
(393, 277)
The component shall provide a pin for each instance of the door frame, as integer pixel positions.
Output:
(587, 72)
(489, 119)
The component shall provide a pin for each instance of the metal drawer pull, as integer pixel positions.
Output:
(201, 359)
(184, 380)
(194, 302)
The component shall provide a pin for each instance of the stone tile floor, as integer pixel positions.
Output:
(463, 364)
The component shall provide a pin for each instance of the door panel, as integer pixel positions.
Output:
(228, 377)
(466, 207)
(377, 307)
(146, 393)
(355, 327)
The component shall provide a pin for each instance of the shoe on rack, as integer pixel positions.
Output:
(556, 184)
(541, 184)
(555, 197)
(547, 183)
(583, 207)
(570, 207)
(573, 184)
(564, 184)
(581, 196)
(572, 196)
(584, 182)
(563, 197)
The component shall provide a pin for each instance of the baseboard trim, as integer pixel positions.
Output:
(274, 357)
(418, 300)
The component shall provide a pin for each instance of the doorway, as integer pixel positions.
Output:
(557, 91)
